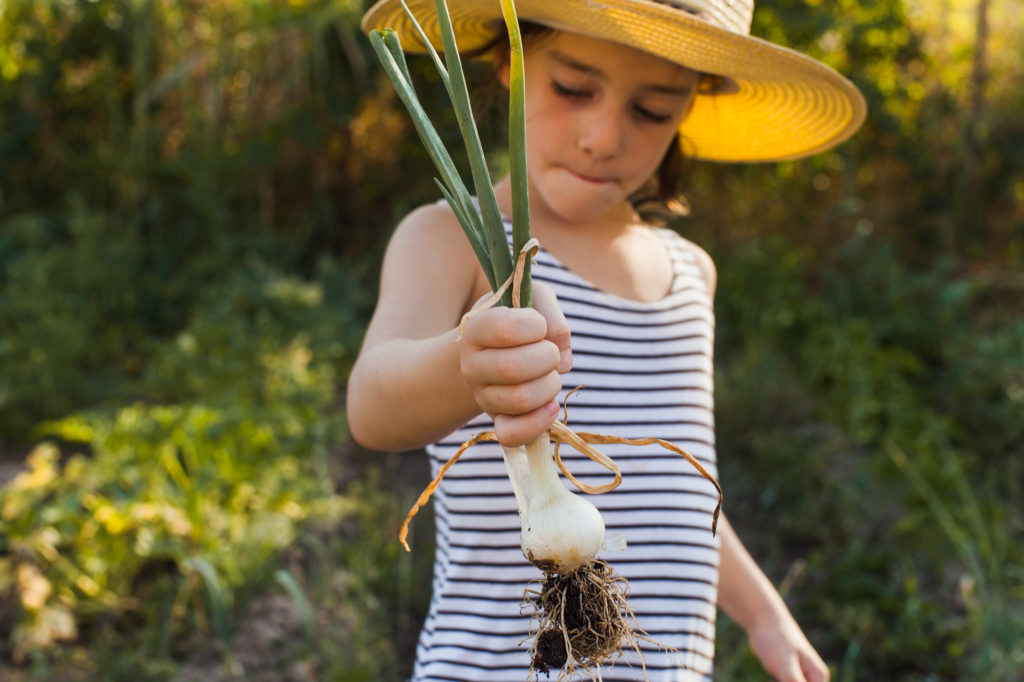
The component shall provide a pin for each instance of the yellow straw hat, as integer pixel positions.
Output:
(778, 104)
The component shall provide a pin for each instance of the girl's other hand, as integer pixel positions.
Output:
(512, 359)
(786, 654)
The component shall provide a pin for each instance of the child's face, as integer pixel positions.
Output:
(599, 118)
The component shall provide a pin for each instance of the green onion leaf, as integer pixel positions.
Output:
(481, 219)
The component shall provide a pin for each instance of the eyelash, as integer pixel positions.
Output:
(570, 94)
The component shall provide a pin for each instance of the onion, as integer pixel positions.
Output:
(561, 531)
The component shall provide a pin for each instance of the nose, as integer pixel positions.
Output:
(602, 134)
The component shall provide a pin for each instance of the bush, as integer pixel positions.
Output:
(850, 392)
(202, 490)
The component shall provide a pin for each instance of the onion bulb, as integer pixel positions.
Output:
(561, 531)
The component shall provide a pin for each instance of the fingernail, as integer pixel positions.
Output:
(565, 361)
(552, 408)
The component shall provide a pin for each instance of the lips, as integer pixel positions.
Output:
(592, 179)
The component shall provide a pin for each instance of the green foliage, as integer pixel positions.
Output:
(68, 309)
(852, 377)
(174, 507)
(156, 146)
(388, 588)
(263, 340)
(168, 490)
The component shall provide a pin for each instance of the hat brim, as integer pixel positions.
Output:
(782, 104)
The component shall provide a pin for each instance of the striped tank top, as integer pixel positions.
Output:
(647, 371)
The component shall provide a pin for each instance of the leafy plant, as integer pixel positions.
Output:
(165, 491)
(184, 502)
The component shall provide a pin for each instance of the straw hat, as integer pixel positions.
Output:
(777, 103)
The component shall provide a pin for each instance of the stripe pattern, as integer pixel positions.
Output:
(647, 368)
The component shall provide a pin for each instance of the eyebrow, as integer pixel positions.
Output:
(591, 70)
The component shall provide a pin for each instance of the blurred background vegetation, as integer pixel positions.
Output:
(194, 198)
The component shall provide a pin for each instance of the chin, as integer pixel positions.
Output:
(579, 211)
(576, 204)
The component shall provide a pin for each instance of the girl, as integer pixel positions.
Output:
(615, 89)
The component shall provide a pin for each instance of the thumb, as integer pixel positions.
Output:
(546, 303)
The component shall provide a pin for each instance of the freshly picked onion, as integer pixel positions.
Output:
(560, 531)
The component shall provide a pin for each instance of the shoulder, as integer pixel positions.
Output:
(429, 252)
(430, 224)
(703, 261)
(430, 233)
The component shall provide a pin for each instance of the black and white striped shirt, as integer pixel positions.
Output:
(647, 368)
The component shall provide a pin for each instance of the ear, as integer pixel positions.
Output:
(503, 67)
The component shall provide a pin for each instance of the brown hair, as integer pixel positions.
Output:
(660, 199)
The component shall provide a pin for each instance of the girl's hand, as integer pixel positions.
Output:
(512, 360)
(785, 653)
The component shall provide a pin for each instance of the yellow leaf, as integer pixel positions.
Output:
(46, 627)
(33, 588)
(177, 522)
(46, 541)
(42, 468)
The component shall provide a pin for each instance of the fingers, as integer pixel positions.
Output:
(813, 668)
(511, 365)
(512, 359)
(513, 394)
(804, 666)
(506, 327)
(793, 673)
(506, 346)
(558, 332)
(502, 327)
(520, 429)
(512, 370)
(787, 655)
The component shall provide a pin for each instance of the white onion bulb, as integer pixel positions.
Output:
(561, 531)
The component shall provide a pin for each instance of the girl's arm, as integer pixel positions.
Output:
(413, 383)
(746, 594)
